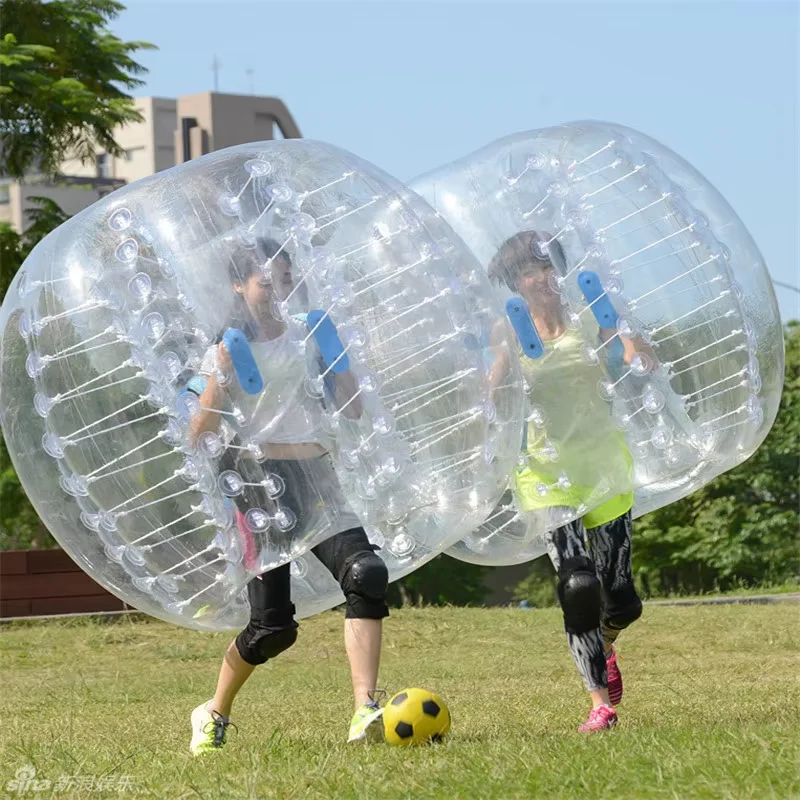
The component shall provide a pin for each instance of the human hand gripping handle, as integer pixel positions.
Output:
(334, 356)
(607, 318)
(233, 356)
(234, 350)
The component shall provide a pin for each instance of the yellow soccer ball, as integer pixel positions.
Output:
(415, 716)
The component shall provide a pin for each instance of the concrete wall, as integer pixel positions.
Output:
(149, 145)
(225, 120)
(71, 199)
(157, 143)
(165, 121)
(8, 204)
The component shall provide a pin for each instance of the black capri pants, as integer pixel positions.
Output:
(350, 558)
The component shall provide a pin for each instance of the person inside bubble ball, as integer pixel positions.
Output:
(289, 437)
(592, 555)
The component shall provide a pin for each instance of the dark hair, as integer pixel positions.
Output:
(526, 248)
(240, 270)
(253, 260)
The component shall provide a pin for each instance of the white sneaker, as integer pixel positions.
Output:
(208, 730)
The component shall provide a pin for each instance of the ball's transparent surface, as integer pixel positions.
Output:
(656, 357)
(215, 368)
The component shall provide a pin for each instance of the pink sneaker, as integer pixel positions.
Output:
(614, 679)
(600, 719)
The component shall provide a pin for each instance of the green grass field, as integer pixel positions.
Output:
(710, 710)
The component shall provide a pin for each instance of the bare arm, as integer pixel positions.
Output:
(498, 347)
(207, 417)
(346, 387)
(632, 346)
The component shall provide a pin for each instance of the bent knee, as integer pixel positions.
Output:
(257, 644)
(579, 593)
(365, 585)
(621, 615)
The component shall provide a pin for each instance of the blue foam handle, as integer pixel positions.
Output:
(328, 341)
(603, 309)
(244, 363)
(522, 322)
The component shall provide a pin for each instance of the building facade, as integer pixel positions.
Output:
(172, 131)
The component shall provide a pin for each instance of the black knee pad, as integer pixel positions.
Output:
(621, 614)
(579, 593)
(264, 638)
(365, 584)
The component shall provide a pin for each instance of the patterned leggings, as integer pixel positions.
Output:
(610, 546)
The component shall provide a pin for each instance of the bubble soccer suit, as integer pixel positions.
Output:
(665, 365)
(376, 406)
(670, 365)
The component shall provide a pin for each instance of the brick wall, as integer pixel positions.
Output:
(45, 582)
(36, 582)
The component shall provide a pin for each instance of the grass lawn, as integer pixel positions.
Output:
(792, 587)
(710, 709)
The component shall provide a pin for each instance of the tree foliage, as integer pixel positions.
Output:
(742, 528)
(45, 216)
(539, 587)
(19, 525)
(63, 83)
(442, 581)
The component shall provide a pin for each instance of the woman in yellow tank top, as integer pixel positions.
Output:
(592, 470)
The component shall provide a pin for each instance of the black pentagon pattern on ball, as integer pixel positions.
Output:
(404, 730)
(431, 708)
(399, 699)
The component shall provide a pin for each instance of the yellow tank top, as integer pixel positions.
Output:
(576, 456)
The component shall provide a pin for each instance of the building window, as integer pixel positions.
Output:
(4, 193)
(103, 165)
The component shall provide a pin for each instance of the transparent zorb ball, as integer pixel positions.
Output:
(237, 358)
(644, 291)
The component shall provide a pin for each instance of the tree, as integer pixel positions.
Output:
(441, 581)
(62, 76)
(45, 216)
(742, 528)
(539, 589)
(19, 524)
(63, 82)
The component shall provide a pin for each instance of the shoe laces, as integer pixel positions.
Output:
(377, 697)
(220, 726)
(602, 713)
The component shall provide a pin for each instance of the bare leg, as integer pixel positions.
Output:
(362, 641)
(232, 676)
(590, 659)
(599, 697)
(269, 598)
